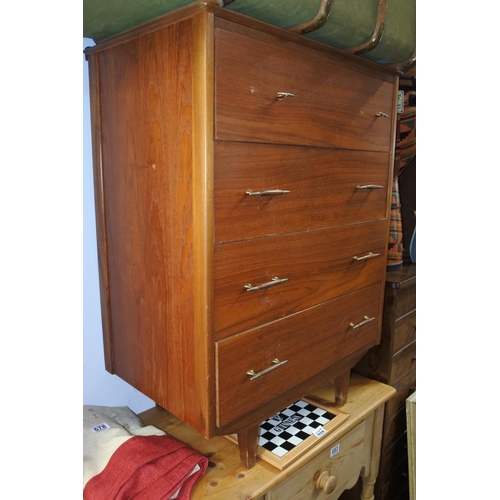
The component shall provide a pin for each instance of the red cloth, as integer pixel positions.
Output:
(148, 468)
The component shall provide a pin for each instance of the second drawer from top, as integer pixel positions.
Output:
(261, 190)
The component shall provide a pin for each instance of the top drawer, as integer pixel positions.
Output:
(332, 104)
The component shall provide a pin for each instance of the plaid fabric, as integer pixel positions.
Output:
(395, 250)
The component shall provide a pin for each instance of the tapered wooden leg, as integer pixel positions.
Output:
(247, 443)
(368, 489)
(341, 385)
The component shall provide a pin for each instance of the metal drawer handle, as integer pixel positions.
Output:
(282, 95)
(275, 281)
(367, 320)
(385, 115)
(267, 192)
(369, 255)
(370, 186)
(276, 364)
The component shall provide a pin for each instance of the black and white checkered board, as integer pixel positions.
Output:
(290, 427)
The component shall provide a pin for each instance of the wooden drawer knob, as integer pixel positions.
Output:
(326, 482)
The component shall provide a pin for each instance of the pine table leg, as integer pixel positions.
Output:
(369, 474)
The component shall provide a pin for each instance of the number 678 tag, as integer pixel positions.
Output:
(101, 427)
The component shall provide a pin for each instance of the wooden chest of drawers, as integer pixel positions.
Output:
(242, 177)
(393, 362)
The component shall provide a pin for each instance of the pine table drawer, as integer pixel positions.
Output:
(268, 189)
(317, 265)
(333, 104)
(344, 465)
(304, 344)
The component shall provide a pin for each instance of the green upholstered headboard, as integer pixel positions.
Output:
(383, 31)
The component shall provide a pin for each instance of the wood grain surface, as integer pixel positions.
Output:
(310, 340)
(155, 230)
(332, 105)
(318, 264)
(322, 183)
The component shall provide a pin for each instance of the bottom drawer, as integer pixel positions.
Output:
(345, 466)
(303, 344)
(393, 455)
(394, 427)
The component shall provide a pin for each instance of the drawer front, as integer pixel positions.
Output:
(405, 299)
(332, 104)
(394, 428)
(404, 388)
(319, 265)
(393, 456)
(327, 187)
(345, 466)
(405, 331)
(397, 483)
(403, 362)
(307, 343)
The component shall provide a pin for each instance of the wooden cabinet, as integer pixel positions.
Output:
(393, 362)
(242, 179)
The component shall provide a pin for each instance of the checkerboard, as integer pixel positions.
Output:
(290, 427)
(291, 432)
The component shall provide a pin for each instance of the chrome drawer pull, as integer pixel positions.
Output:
(281, 95)
(275, 281)
(369, 255)
(267, 192)
(367, 320)
(370, 186)
(385, 115)
(277, 364)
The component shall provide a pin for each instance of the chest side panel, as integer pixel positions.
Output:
(150, 190)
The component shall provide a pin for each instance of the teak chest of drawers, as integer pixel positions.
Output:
(242, 176)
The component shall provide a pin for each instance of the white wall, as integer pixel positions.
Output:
(99, 386)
